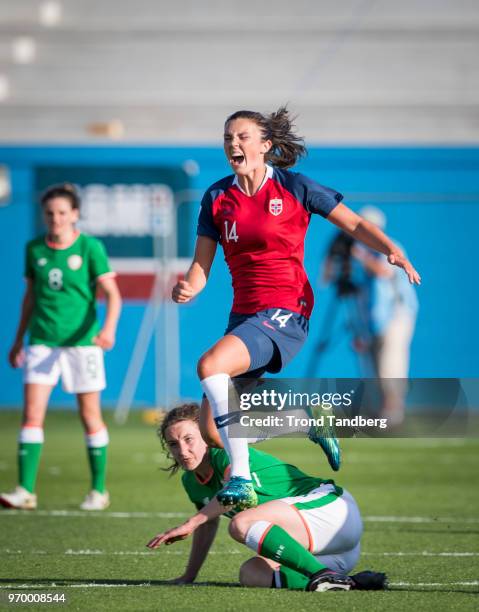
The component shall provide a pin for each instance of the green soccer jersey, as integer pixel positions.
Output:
(64, 286)
(272, 479)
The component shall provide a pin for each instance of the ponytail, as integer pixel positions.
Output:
(287, 148)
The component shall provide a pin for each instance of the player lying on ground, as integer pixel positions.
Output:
(260, 215)
(305, 531)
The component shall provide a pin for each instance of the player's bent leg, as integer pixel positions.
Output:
(267, 539)
(275, 513)
(228, 357)
(343, 562)
(96, 436)
(257, 572)
(264, 573)
(297, 570)
(208, 429)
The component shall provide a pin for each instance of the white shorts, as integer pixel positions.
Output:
(81, 368)
(333, 524)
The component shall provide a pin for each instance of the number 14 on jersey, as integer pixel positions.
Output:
(230, 233)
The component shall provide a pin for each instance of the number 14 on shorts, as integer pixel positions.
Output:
(282, 319)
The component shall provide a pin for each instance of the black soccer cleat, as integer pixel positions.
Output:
(327, 580)
(370, 581)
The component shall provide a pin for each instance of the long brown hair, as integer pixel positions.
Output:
(185, 412)
(287, 147)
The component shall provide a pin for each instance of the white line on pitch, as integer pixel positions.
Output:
(435, 584)
(78, 513)
(420, 519)
(128, 515)
(95, 552)
(93, 585)
(424, 553)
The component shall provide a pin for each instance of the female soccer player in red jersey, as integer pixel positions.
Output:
(260, 215)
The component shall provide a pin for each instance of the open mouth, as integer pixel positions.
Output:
(237, 160)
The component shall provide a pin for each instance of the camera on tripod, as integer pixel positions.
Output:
(340, 265)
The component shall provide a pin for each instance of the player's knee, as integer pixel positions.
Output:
(247, 573)
(91, 422)
(255, 573)
(238, 528)
(207, 365)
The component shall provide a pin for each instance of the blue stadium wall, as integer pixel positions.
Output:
(430, 197)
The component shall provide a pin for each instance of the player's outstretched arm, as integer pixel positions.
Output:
(376, 266)
(210, 512)
(197, 275)
(373, 237)
(203, 526)
(203, 538)
(15, 355)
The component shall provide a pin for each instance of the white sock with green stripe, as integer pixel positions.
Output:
(217, 389)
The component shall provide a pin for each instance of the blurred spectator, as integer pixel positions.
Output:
(387, 307)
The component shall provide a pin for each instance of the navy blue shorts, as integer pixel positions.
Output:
(273, 337)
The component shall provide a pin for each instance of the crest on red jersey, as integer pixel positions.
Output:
(276, 206)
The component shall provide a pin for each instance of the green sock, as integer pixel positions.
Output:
(279, 546)
(97, 460)
(291, 579)
(28, 462)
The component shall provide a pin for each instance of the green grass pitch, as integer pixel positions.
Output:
(419, 500)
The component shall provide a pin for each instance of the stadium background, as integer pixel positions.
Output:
(386, 97)
(429, 195)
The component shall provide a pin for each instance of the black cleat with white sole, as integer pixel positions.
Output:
(327, 580)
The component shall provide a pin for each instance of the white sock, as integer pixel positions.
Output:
(98, 439)
(216, 389)
(31, 435)
(256, 534)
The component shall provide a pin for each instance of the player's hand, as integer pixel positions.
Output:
(398, 259)
(182, 292)
(170, 536)
(16, 356)
(105, 339)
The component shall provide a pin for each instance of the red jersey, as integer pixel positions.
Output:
(263, 237)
